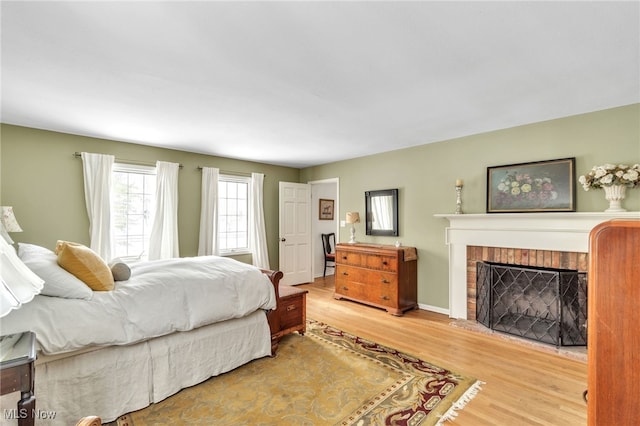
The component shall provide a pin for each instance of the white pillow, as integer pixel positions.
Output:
(57, 281)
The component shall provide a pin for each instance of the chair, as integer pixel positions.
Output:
(329, 244)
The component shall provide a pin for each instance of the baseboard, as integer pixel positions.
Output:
(435, 309)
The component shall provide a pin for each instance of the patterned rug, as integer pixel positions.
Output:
(326, 377)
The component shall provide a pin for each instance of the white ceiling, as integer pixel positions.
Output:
(307, 83)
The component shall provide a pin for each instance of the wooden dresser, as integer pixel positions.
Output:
(614, 324)
(378, 275)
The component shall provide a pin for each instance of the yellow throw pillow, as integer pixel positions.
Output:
(85, 264)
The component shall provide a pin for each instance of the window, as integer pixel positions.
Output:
(233, 218)
(132, 209)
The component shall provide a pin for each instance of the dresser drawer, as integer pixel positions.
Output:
(373, 286)
(353, 289)
(388, 279)
(348, 258)
(383, 263)
(351, 273)
(368, 293)
(291, 310)
(370, 261)
(369, 276)
(388, 294)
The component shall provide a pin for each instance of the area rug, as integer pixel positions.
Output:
(326, 377)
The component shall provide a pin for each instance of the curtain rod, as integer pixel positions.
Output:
(122, 160)
(227, 172)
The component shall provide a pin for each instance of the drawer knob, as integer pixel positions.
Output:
(344, 257)
(385, 262)
(345, 288)
(345, 273)
(291, 308)
(385, 281)
(384, 297)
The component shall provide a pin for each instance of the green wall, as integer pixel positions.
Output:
(43, 181)
(426, 175)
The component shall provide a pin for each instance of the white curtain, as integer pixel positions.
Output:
(97, 195)
(163, 241)
(258, 232)
(208, 243)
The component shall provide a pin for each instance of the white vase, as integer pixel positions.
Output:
(615, 194)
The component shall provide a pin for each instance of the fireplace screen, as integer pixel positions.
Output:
(544, 304)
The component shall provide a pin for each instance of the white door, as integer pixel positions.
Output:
(295, 233)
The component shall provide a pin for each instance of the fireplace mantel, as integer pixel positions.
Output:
(539, 231)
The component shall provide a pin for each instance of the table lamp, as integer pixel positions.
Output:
(353, 217)
(18, 284)
(8, 223)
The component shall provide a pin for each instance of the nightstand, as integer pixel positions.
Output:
(17, 371)
(293, 309)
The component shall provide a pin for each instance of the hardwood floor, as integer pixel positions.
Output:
(524, 385)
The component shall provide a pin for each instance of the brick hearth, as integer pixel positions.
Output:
(513, 256)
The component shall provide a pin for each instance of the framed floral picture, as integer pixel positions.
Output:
(541, 186)
(326, 209)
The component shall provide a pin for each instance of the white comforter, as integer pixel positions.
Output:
(160, 297)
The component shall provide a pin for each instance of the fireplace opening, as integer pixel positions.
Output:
(543, 304)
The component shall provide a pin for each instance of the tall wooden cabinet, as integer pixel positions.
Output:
(614, 324)
(378, 275)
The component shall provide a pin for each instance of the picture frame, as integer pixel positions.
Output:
(326, 209)
(540, 186)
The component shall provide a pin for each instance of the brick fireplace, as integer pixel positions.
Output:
(516, 256)
(534, 239)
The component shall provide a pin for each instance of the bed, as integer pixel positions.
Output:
(172, 324)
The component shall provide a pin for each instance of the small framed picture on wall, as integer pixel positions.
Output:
(326, 209)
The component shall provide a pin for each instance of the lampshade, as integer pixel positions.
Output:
(18, 284)
(353, 217)
(8, 219)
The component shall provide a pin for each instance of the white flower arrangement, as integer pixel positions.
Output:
(611, 174)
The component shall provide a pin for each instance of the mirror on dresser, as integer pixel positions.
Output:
(381, 212)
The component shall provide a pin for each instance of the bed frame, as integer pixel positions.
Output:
(274, 316)
(111, 381)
